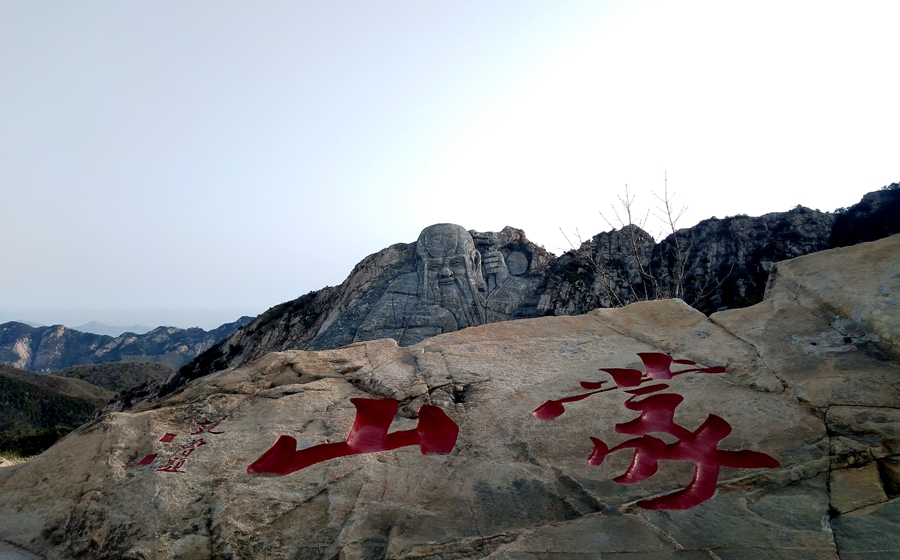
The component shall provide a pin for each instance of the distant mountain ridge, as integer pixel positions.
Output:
(45, 349)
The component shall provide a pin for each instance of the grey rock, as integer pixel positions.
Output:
(726, 264)
(514, 486)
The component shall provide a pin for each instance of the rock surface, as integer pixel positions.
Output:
(811, 381)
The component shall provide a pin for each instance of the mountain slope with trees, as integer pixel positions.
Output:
(38, 409)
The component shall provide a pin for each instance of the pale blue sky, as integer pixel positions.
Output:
(189, 162)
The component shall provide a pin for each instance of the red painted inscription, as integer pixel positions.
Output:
(176, 462)
(207, 426)
(657, 414)
(435, 433)
(147, 460)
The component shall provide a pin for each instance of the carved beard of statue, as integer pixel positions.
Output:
(450, 273)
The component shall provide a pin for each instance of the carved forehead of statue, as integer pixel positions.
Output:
(444, 240)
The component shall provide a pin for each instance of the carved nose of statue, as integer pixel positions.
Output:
(446, 272)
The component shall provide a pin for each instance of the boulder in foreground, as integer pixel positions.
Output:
(810, 382)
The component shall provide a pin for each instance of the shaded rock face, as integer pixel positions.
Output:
(876, 216)
(810, 382)
(717, 265)
(45, 349)
(448, 279)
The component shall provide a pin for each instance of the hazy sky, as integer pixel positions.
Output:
(185, 163)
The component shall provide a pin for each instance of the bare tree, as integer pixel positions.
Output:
(639, 276)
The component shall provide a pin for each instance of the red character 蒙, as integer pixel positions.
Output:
(657, 414)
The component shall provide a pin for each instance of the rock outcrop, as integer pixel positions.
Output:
(876, 216)
(45, 349)
(779, 425)
(718, 264)
(447, 280)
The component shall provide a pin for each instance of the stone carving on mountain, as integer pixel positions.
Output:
(404, 292)
(389, 293)
(454, 286)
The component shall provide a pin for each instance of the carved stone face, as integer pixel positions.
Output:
(450, 273)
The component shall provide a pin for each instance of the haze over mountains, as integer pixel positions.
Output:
(75, 373)
(97, 327)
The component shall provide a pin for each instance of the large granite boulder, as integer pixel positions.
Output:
(649, 431)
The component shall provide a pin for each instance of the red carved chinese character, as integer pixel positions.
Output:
(435, 433)
(700, 446)
(190, 446)
(658, 366)
(658, 415)
(167, 438)
(206, 426)
(172, 465)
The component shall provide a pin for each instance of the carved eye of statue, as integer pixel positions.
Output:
(458, 262)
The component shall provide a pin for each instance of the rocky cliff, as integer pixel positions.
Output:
(646, 431)
(716, 265)
(394, 293)
(46, 349)
(876, 216)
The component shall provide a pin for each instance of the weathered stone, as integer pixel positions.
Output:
(449, 291)
(855, 488)
(873, 536)
(889, 468)
(514, 486)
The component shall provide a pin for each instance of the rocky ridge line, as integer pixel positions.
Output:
(727, 266)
